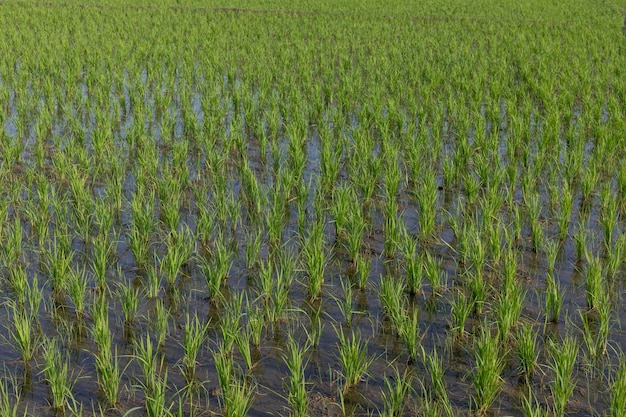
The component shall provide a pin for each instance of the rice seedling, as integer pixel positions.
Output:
(479, 289)
(563, 356)
(224, 367)
(345, 303)
(58, 264)
(533, 205)
(217, 268)
(564, 213)
(297, 391)
(617, 405)
(408, 330)
(590, 178)
(461, 307)
(434, 364)
(355, 229)
(343, 204)
(160, 321)
(142, 206)
(253, 248)
(156, 397)
(434, 272)
(594, 283)
(551, 249)
(148, 358)
(109, 372)
(353, 357)
(230, 325)
(275, 217)
(238, 398)
(22, 333)
(179, 250)
(77, 290)
(58, 376)
(362, 271)
(193, 340)
(615, 257)
(129, 301)
(106, 360)
(472, 185)
(595, 330)
(554, 299)
(102, 256)
(413, 264)
(18, 282)
(487, 376)
(242, 340)
(531, 407)
(13, 249)
(580, 239)
(255, 323)
(391, 293)
(508, 308)
(396, 393)
(392, 229)
(10, 398)
(315, 259)
(427, 200)
(527, 351)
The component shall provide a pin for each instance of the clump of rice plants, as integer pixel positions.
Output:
(487, 376)
(563, 356)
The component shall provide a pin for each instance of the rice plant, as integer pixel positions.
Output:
(527, 351)
(396, 393)
(193, 339)
(57, 374)
(487, 376)
(297, 391)
(435, 365)
(238, 398)
(461, 309)
(414, 265)
(563, 357)
(353, 357)
(22, 333)
(409, 332)
(106, 359)
(617, 405)
(315, 259)
(554, 299)
(10, 398)
(129, 301)
(392, 299)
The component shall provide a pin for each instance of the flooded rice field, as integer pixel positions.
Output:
(231, 213)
